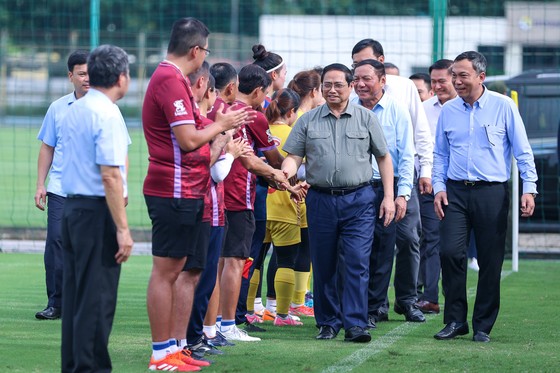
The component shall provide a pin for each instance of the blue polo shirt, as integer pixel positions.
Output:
(50, 134)
(94, 134)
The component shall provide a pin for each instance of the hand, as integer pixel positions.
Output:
(440, 200)
(124, 239)
(280, 179)
(299, 191)
(400, 205)
(238, 147)
(387, 211)
(41, 198)
(231, 118)
(527, 205)
(425, 185)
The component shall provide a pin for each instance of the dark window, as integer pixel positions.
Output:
(495, 57)
(541, 57)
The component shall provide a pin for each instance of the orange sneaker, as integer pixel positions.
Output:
(268, 316)
(302, 311)
(171, 364)
(185, 356)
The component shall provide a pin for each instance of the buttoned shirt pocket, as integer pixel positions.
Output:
(319, 142)
(357, 143)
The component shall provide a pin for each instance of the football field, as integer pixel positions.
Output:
(525, 337)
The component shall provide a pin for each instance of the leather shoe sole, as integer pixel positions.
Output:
(452, 330)
(410, 313)
(357, 334)
(326, 332)
(481, 337)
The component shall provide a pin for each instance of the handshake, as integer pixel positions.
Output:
(281, 181)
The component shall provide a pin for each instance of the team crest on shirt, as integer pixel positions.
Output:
(272, 139)
(180, 108)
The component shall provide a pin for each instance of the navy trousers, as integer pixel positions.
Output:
(53, 250)
(350, 219)
(430, 267)
(205, 285)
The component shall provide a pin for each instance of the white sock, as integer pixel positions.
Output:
(227, 325)
(182, 343)
(172, 346)
(209, 330)
(271, 305)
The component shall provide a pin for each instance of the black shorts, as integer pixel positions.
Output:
(240, 226)
(198, 259)
(176, 225)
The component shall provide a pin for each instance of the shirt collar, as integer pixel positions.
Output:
(72, 98)
(382, 101)
(350, 110)
(482, 100)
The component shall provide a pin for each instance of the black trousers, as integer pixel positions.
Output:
(483, 207)
(53, 250)
(91, 277)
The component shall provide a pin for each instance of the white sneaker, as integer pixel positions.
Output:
(236, 334)
(473, 264)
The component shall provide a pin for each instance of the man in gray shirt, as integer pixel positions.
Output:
(338, 140)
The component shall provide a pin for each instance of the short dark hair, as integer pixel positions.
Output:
(224, 73)
(186, 34)
(251, 77)
(443, 64)
(203, 70)
(78, 57)
(267, 60)
(348, 76)
(106, 64)
(422, 76)
(368, 43)
(378, 67)
(477, 59)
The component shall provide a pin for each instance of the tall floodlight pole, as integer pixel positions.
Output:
(438, 11)
(94, 24)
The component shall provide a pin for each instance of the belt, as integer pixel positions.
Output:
(81, 196)
(474, 183)
(377, 182)
(340, 191)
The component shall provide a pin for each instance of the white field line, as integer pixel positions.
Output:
(381, 344)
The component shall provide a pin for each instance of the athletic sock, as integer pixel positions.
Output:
(172, 346)
(301, 287)
(209, 330)
(182, 343)
(271, 305)
(284, 283)
(227, 325)
(219, 321)
(159, 350)
(253, 287)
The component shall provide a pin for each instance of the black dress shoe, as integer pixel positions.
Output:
(326, 332)
(371, 322)
(481, 337)
(410, 312)
(452, 330)
(379, 316)
(49, 313)
(357, 334)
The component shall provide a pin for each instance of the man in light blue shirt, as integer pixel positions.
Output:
(477, 133)
(50, 163)
(369, 80)
(95, 234)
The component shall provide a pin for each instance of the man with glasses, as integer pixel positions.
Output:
(338, 140)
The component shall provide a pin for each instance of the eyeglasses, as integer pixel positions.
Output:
(207, 51)
(327, 86)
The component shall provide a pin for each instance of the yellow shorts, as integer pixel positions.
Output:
(282, 234)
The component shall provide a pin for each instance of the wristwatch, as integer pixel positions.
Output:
(406, 197)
